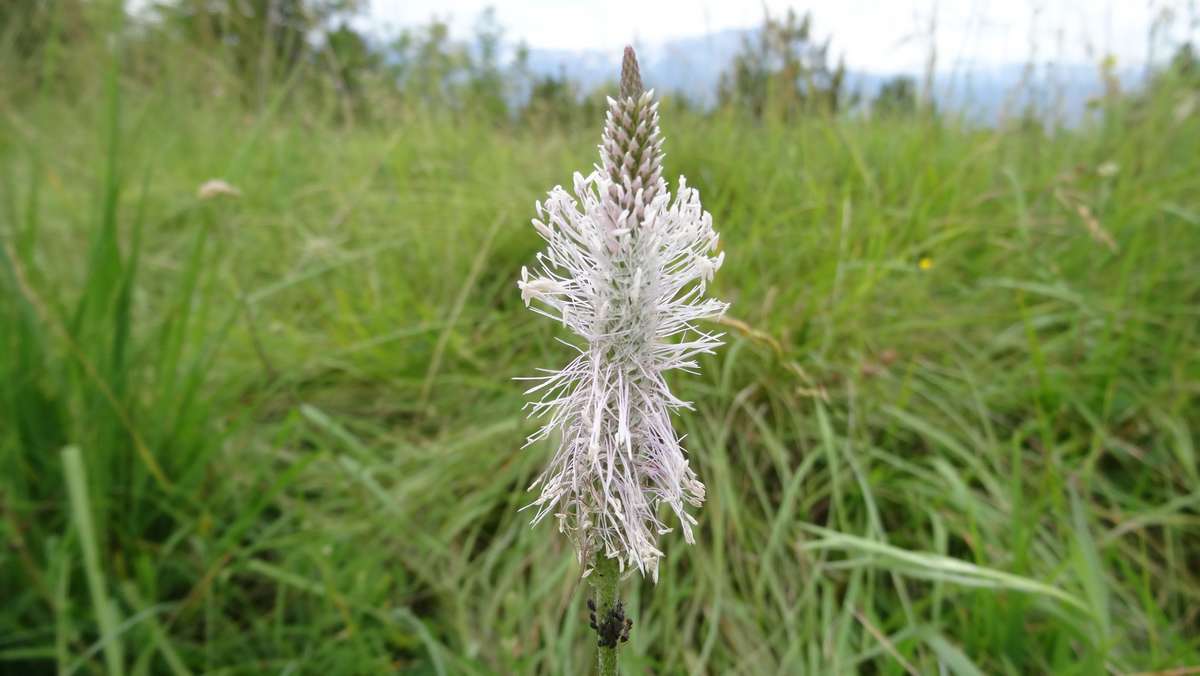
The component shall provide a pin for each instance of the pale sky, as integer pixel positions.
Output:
(874, 35)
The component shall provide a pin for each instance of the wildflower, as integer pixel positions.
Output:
(216, 187)
(625, 269)
(925, 264)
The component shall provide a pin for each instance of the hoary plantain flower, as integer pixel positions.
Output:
(625, 269)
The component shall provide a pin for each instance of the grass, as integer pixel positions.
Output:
(293, 434)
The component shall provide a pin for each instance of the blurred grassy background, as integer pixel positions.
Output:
(277, 432)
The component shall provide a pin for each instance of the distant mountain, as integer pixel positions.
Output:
(693, 66)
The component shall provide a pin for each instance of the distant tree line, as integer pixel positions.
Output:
(782, 71)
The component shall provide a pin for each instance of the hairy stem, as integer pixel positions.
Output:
(605, 579)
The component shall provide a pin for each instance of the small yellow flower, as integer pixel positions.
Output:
(926, 263)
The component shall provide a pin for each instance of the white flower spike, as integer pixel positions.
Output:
(625, 269)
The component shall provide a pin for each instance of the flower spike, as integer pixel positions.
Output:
(625, 269)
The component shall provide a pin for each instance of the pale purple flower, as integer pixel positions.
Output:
(625, 269)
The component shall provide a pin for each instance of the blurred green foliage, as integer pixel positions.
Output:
(271, 428)
(897, 96)
(783, 70)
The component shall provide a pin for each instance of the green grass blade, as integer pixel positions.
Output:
(107, 617)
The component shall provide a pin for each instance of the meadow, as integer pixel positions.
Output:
(277, 431)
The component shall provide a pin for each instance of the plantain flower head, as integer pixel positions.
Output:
(625, 269)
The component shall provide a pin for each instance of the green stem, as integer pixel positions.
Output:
(604, 579)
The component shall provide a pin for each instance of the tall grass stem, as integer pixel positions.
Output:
(106, 615)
